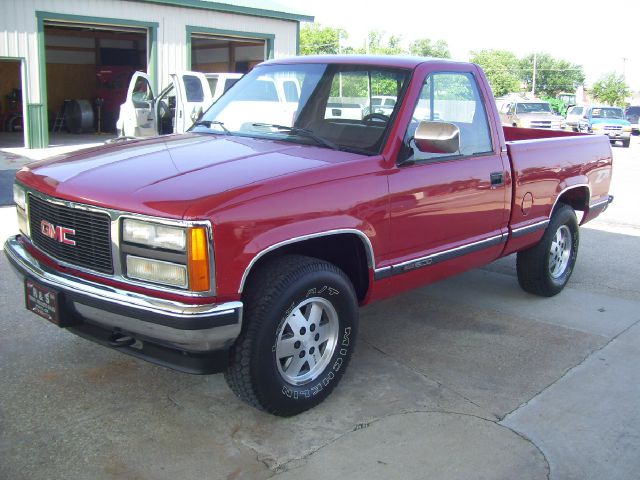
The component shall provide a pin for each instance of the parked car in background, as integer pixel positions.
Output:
(530, 114)
(383, 104)
(608, 121)
(632, 115)
(175, 109)
(220, 83)
(574, 114)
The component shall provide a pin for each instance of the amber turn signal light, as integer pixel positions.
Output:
(199, 277)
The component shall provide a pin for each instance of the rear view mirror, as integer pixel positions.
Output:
(437, 137)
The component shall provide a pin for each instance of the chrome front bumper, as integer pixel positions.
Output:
(102, 312)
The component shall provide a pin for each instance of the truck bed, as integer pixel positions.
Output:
(546, 163)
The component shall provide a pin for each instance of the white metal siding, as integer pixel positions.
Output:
(18, 30)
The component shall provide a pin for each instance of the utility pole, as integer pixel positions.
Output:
(535, 67)
(624, 68)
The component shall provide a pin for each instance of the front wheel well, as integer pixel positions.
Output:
(347, 251)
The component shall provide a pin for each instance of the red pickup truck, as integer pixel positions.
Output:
(247, 244)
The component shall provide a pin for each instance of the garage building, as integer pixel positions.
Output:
(54, 51)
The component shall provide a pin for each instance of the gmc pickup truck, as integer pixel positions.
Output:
(247, 247)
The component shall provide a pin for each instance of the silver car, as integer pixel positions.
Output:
(572, 120)
(530, 114)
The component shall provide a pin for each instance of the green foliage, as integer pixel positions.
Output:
(553, 75)
(356, 84)
(501, 68)
(424, 47)
(557, 105)
(611, 89)
(318, 40)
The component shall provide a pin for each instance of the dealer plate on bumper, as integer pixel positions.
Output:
(42, 301)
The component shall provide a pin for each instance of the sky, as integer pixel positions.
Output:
(601, 36)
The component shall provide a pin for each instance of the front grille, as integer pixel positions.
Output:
(92, 234)
(613, 127)
(540, 124)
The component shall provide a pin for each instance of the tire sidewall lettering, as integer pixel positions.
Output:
(340, 354)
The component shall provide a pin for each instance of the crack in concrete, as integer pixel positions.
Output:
(570, 369)
(286, 466)
(424, 376)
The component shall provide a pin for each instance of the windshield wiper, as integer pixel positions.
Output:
(302, 132)
(208, 123)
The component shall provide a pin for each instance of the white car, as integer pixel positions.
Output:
(221, 82)
(177, 106)
(574, 114)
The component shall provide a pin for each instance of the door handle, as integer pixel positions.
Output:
(497, 179)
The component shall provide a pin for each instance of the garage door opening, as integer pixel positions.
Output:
(217, 54)
(88, 72)
(11, 104)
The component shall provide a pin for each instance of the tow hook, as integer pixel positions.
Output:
(118, 340)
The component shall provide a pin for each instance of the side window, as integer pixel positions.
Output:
(290, 91)
(193, 88)
(512, 109)
(141, 93)
(453, 98)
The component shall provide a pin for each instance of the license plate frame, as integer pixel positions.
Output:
(42, 301)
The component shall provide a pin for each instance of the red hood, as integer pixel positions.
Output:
(165, 176)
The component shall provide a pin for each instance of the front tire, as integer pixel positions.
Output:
(300, 326)
(626, 143)
(545, 268)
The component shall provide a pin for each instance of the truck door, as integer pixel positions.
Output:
(137, 114)
(193, 96)
(448, 210)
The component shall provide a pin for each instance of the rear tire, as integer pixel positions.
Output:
(626, 143)
(545, 268)
(300, 326)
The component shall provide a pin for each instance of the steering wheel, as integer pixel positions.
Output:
(376, 116)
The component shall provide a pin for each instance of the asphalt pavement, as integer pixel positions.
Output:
(470, 378)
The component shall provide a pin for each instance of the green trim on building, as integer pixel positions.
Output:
(37, 122)
(37, 126)
(191, 29)
(298, 38)
(228, 8)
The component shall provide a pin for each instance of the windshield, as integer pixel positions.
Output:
(533, 108)
(606, 113)
(290, 102)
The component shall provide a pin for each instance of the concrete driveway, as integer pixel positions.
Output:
(470, 378)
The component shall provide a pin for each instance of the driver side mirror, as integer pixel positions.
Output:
(437, 137)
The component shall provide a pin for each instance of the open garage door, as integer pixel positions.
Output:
(88, 71)
(219, 53)
(11, 104)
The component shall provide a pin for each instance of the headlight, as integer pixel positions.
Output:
(157, 271)
(186, 267)
(597, 126)
(626, 128)
(154, 235)
(19, 196)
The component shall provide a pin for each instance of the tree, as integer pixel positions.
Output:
(379, 44)
(611, 89)
(423, 47)
(553, 75)
(501, 68)
(318, 40)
